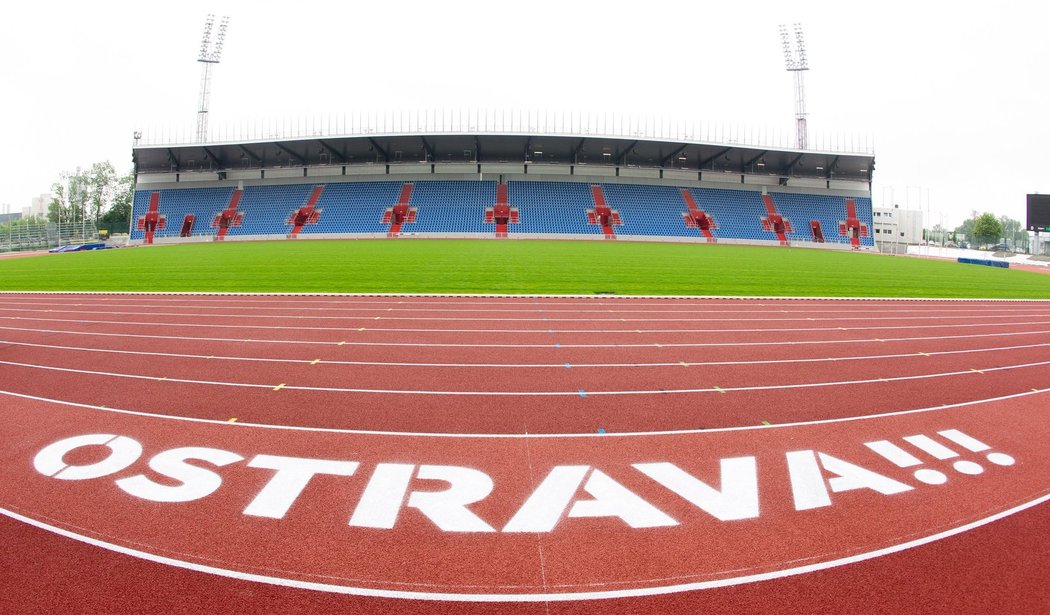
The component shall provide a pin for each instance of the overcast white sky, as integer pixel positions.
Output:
(956, 99)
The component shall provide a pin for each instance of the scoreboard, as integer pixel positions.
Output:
(1038, 212)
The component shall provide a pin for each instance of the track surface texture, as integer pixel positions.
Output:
(208, 453)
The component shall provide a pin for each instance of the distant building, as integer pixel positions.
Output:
(896, 225)
(38, 206)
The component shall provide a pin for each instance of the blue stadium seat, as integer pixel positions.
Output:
(545, 207)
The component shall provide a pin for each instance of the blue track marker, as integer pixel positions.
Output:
(568, 366)
(582, 394)
(601, 430)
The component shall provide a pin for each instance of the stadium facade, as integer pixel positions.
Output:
(502, 186)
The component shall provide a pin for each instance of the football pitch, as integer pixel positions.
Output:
(513, 267)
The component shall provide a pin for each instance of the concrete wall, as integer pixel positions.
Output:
(510, 172)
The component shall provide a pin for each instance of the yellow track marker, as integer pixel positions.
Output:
(976, 370)
(684, 364)
(1036, 390)
(378, 317)
(279, 387)
(878, 340)
(341, 344)
(659, 346)
(315, 361)
(232, 420)
(361, 329)
(720, 390)
(924, 354)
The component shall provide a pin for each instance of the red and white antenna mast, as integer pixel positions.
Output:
(796, 62)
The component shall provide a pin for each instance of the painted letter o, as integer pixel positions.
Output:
(123, 452)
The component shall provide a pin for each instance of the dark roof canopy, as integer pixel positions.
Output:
(494, 148)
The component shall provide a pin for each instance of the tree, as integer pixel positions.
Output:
(1012, 230)
(100, 186)
(119, 214)
(987, 229)
(93, 192)
(76, 195)
(57, 207)
(966, 228)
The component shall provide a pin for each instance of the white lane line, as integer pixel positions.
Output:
(547, 310)
(240, 340)
(226, 326)
(591, 393)
(669, 588)
(502, 319)
(588, 434)
(519, 365)
(466, 298)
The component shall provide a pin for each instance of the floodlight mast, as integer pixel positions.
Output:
(208, 55)
(796, 62)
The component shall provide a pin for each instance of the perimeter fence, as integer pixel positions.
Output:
(45, 235)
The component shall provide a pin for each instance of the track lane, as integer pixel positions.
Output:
(995, 568)
(580, 325)
(557, 380)
(532, 414)
(1005, 546)
(829, 345)
(413, 558)
(365, 336)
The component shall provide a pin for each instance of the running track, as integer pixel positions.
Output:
(467, 455)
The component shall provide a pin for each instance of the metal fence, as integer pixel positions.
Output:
(45, 235)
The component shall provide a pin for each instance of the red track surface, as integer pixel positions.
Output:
(598, 368)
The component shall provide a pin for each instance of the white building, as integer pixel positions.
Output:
(38, 206)
(896, 225)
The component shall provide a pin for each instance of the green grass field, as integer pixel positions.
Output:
(527, 267)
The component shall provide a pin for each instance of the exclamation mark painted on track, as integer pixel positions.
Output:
(904, 459)
(976, 446)
(928, 445)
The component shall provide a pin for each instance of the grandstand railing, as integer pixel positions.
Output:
(392, 122)
(44, 236)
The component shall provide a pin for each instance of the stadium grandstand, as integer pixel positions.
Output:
(501, 185)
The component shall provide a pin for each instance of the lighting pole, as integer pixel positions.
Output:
(796, 62)
(208, 55)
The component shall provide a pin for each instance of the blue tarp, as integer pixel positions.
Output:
(984, 261)
(78, 247)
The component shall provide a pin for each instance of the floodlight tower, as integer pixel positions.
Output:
(209, 54)
(797, 63)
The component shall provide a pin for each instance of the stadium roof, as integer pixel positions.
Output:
(503, 148)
